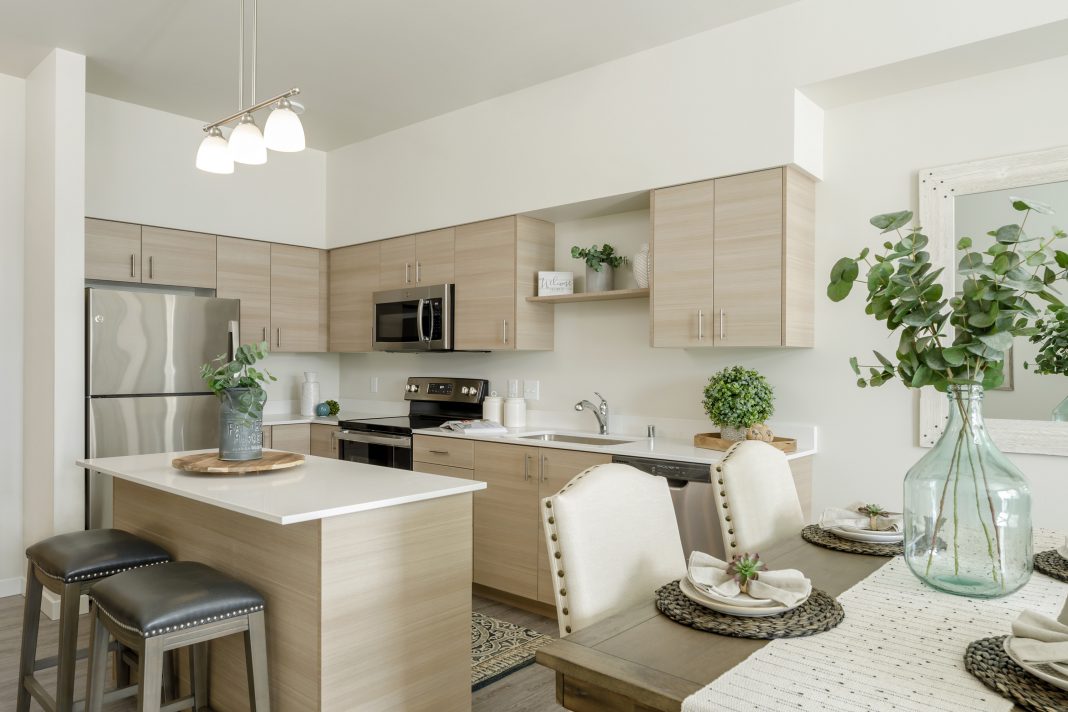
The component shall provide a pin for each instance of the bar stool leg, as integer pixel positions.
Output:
(68, 646)
(31, 619)
(256, 663)
(150, 676)
(201, 654)
(98, 663)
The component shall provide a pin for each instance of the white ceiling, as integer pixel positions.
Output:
(364, 66)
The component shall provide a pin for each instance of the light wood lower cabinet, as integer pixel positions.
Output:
(112, 251)
(323, 443)
(177, 258)
(354, 278)
(298, 299)
(243, 270)
(294, 437)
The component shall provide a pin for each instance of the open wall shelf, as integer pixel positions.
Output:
(592, 296)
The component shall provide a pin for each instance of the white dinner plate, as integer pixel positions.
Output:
(1039, 670)
(867, 536)
(701, 599)
(745, 601)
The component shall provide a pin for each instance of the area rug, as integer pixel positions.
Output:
(499, 648)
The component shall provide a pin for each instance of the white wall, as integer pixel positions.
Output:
(140, 168)
(873, 153)
(12, 187)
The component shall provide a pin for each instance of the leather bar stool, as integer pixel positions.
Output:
(176, 605)
(67, 564)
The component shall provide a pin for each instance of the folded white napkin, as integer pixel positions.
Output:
(1041, 640)
(709, 575)
(851, 517)
(1063, 551)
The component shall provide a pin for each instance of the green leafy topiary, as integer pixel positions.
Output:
(334, 407)
(739, 398)
(597, 256)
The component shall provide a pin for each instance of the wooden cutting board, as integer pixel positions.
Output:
(712, 441)
(209, 462)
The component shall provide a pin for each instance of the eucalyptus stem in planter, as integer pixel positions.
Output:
(600, 263)
(239, 388)
(967, 509)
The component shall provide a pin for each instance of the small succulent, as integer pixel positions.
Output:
(334, 407)
(873, 512)
(745, 568)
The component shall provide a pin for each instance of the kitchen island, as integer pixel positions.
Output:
(366, 572)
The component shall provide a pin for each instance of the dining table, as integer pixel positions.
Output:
(639, 660)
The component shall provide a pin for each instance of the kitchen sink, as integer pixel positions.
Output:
(576, 439)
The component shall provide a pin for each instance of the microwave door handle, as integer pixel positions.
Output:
(430, 336)
(419, 319)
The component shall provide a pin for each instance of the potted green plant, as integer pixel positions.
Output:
(239, 388)
(601, 262)
(736, 399)
(1052, 356)
(967, 508)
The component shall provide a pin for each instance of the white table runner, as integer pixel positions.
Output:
(900, 647)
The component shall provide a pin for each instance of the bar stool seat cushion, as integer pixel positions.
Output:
(173, 596)
(92, 554)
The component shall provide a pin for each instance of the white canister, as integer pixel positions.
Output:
(309, 393)
(515, 413)
(491, 408)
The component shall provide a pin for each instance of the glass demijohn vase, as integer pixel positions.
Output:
(968, 509)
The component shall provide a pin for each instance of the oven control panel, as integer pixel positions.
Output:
(456, 390)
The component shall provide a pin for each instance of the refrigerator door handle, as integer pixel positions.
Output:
(234, 336)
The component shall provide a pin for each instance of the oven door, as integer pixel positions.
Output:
(380, 449)
(417, 319)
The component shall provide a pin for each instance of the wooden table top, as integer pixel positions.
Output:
(653, 661)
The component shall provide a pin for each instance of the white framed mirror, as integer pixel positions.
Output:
(970, 199)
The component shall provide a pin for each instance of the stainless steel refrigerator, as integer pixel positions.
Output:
(143, 389)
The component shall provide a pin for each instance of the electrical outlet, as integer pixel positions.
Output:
(531, 390)
(374, 384)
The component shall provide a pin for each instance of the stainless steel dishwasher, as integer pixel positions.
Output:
(691, 493)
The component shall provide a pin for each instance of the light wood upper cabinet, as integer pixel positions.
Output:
(243, 271)
(733, 261)
(397, 262)
(683, 249)
(112, 251)
(177, 258)
(506, 518)
(298, 299)
(354, 274)
(496, 269)
(556, 469)
(434, 257)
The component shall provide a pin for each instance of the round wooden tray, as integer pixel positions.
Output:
(209, 463)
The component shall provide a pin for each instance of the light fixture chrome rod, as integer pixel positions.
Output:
(255, 107)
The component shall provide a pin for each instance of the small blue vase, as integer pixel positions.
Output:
(322, 410)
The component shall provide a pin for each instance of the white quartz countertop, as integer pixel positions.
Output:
(318, 489)
(296, 418)
(658, 448)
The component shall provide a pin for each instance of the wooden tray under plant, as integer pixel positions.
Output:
(712, 441)
(209, 463)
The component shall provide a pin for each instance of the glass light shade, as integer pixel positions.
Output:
(213, 156)
(246, 143)
(283, 130)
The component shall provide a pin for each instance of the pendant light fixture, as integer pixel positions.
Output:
(282, 132)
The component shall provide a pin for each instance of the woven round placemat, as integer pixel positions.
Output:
(819, 613)
(987, 660)
(1052, 564)
(813, 534)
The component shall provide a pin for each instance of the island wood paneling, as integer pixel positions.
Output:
(281, 562)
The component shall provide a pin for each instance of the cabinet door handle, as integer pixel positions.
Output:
(541, 473)
(150, 268)
(526, 468)
(505, 334)
(265, 333)
(278, 336)
(438, 452)
(418, 272)
(722, 325)
(700, 324)
(131, 265)
(407, 273)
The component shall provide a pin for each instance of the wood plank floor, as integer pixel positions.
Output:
(531, 689)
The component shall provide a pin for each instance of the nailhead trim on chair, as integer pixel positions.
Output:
(558, 553)
(180, 626)
(723, 492)
(101, 574)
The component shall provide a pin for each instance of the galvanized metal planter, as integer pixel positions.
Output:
(240, 425)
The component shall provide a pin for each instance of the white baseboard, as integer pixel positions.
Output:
(12, 586)
(50, 605)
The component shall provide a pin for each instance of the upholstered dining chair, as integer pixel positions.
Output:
(612, 540)
(755, 497)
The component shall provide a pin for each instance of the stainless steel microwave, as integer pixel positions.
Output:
(414, 319)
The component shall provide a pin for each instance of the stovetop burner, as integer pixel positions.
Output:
(431, 402)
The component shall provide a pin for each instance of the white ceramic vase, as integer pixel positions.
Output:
(640, 264)
(309, 393)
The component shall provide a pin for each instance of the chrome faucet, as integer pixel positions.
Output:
(601, 411)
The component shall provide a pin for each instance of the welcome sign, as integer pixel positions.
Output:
(555, 283)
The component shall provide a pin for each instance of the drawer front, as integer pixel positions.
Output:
(446, 470)
(444, 451)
